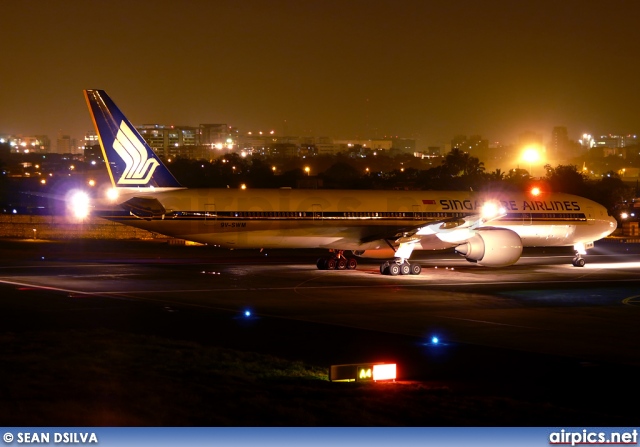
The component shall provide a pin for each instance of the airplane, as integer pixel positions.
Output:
(488, 229)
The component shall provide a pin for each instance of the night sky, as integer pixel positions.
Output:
(423, 69)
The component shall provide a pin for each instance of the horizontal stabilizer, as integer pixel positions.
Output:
(145, 208)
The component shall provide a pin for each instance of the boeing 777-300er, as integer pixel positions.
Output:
(489, 229)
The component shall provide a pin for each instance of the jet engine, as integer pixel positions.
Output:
(492, 247)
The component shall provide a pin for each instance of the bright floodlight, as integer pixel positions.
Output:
(79, 204)
(531, 155)
(435, 340)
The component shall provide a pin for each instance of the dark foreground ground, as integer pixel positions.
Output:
(97, 361)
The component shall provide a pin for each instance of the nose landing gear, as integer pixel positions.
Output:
(581, 249)
(578, 261)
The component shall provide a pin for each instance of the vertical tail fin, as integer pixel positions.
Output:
(129, 159)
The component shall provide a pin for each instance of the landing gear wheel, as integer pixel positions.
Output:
(578, 262)
(416, 269)
(405, 268)
(337, 262)
(384, 268)
(394, 269)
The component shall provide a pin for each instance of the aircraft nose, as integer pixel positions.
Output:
(613, 223)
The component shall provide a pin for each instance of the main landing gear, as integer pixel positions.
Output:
(399, 267)
(336, 261)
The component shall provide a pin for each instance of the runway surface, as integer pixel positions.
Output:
(520, 327)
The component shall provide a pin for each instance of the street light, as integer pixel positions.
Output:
(307, 169)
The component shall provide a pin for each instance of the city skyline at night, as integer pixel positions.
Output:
(419, 70)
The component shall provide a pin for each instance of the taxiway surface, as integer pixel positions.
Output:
(542, 304)
(540, 325)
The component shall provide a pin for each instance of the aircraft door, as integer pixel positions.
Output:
(210, 215)
(417, 214)
(590, 215)
(316, 211)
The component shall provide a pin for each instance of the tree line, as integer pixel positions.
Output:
(458, 170)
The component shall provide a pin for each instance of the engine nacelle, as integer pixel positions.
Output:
(492, 247)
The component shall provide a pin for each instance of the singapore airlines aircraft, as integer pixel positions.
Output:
(489, 229)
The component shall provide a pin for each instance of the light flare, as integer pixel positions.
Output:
(79, 204)
(491, 210)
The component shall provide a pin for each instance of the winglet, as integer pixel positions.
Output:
(129, 159)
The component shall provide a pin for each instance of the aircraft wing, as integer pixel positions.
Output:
(471, 235)
(453, 230)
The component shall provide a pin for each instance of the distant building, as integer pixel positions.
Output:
(616, 141)
(609, 141)
(559, 147)
(214, 134)
(91, 150)
(326, 148)
(172, 141)
(43, 143)
(66, 145)
(474, 145)
(630, 140)
(19, 143)
(376, 145)
(405, 145)
(166, 140)
(91, 139)
(615, 145)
